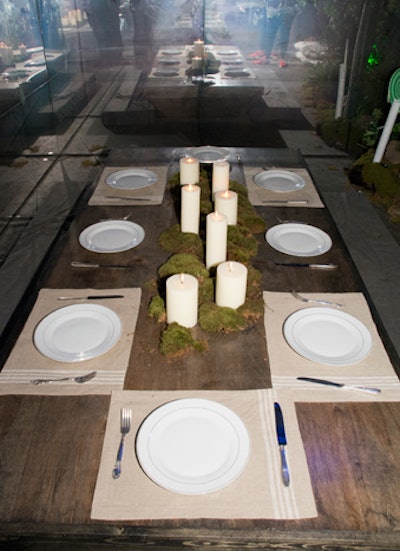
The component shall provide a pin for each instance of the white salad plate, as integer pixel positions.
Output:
(193, 446)
(279, 180)
(208, 153)
(327, 336)
(78, 332)
(132, 178)
(111, 236)
(298, 239)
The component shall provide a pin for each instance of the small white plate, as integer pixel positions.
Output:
(298, 239)
(132, 178)
(78, 332)
(171, 51)
(279, 180)
(227, 52)
(193, 446)
(327, 336)
(169, 61)
(237, 73)
(208, 153)
(166, 73)
(111, 236)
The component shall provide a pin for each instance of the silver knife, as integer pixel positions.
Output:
(288, 202)
(312, 266)
(280, 432)
(76, 264)
(369, 390)
(91, 297)
(127, 198)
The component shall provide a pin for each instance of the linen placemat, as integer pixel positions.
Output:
(258, 492)
(375, 370)
(150, 195)
(259, 196)
(26, 363)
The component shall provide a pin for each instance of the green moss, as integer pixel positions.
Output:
(213, 318)
(156, 309)
(183, 263)
(206, 290)
(254, 278)
(252, 310)
(177, 341)
(174, 241)
(241, 245)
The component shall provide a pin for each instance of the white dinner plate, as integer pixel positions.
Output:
(208, 153)
(327, 336)
(279, 180)
(171, 51)
(227, 52)
(111, 236)
(132, 178)
(193, 446)
(78, 332)
(169, 61)
(298, 239)
(166, 73)
(237, 73)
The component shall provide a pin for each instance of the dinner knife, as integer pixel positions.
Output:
(280, 432)
(340, 385)
(91, 297)
(288, 202)
(76, 264)
(303, 265)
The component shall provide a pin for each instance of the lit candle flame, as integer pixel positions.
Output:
(182, 278)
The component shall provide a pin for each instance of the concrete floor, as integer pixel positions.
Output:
(42, 182)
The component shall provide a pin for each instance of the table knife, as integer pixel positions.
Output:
(280, 432)
(76, 264)
(288, 202)
(128, 198)
(303, 265)
(91, 297)
(369, 390)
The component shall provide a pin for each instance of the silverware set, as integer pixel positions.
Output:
(315, 300)
(125, 427)
(81, 379)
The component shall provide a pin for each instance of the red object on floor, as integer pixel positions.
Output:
(255, 55)
(261, 61)
(282, 63)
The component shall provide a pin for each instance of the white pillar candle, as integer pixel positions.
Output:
(216, 238)
(182, 299)
(190, 208)
(189, 171)
(197, 63)
(198, 48)
(220, 176)
(226, 202)
(231, 284)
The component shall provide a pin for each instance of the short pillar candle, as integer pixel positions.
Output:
(220, 176)
(182, 300)
(231, 284)
(189, 169)
(216, 238)
(226, 202)
(190, 208)
(198, 48)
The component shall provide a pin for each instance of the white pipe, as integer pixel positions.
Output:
(387, 130)
(340, 92)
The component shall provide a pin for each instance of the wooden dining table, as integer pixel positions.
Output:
(51, 445)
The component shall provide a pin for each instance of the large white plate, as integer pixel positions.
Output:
(237, 73)
(133, 178)
(208, 153)
(327, 336)
(78, 332)
(298, 239)
(111, 236)
(279, 180)
(193, 446)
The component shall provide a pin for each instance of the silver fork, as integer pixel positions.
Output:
(80, 379)
(125, 424)
(315, 300)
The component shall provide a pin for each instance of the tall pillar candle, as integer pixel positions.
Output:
(189, 169)
(190, 208)
(216, 238)
(231, 284)
(220, 176)
(182, 299)
(226, 202)
(198, 48)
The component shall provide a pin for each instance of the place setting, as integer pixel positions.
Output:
(326, 347)
(130, 186)
(75, 341)
(202, 454)
(288, 187)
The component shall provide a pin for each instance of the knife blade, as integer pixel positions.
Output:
(288, 202)
(369, 390)
(91, 297)
(303, 265)
(281, 434)
(76, 264)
